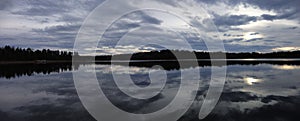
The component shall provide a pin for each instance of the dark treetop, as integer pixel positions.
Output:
(9, 53)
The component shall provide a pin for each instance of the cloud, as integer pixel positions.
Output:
(234, 20)
(232, 35)
(255, 33)
(278, 5)
(268, 17)
(59, 29)
(254, 39)
(285, 8)
(282, 16)
(54, 24)
(238, 96)
(50, 7)
(269, 40)
(286, 49)
(230, 20)
(5, 4)
(44, 23)
(234, 40)
(42, 8)
(127, 23)
(248, 48)
(295, 27)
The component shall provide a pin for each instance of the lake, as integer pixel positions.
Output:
(252, 92)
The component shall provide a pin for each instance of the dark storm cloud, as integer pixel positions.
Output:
(268, 17)
(4, 4)
(277, 5)
(233, 20)
(286, 9)
(227, 22)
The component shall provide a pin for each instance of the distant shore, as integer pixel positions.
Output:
(149, 61)
(16, 55)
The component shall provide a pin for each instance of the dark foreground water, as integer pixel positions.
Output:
(262, 92)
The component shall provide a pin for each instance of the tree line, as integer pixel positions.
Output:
(9, 53)
(182, 54)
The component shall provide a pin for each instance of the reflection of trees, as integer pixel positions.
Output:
(12, 71)
(17, 70)
(168, 58)
(176, 65)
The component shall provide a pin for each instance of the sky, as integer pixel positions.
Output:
(242, 25)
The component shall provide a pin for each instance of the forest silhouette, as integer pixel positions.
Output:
(9, 53)
(174, 54)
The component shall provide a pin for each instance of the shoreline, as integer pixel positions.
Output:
(143, 61)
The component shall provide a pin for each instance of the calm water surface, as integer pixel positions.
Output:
(261, 92)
